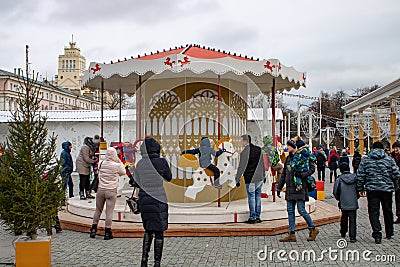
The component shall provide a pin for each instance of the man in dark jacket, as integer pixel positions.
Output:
(396, 156)
(67, 167)
(150, 173)
(294, 197)
(251, 167)
(356, 161)
(377, 175)
(345, 192)
(321, 163)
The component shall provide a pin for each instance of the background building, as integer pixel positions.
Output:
(71, 67)
(52, 97)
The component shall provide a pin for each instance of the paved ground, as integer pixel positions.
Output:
(77, 249)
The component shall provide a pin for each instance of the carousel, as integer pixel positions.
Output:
(183, 94)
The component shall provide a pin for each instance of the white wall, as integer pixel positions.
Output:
(76, 131)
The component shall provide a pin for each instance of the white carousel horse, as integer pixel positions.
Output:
(202, 177)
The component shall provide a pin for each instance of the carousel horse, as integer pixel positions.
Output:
(202, 176)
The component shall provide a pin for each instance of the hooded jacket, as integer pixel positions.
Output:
(66, 158)
(84, 159)
(377, 172)
(205, 151)
(344, 158)
(150, 173)
(345, 191)
(110, 171)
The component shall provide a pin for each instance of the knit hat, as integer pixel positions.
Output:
(344, 167)
(291, 143)
(396, 144)
(300, 143)
(377, 145)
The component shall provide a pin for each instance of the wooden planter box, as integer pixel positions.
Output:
(29, 253)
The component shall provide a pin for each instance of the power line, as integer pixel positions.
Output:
(300, 96)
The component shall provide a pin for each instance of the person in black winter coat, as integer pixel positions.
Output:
(356, 161)
(150, 173)
(321, 157)
(251, 167)
(67, 167)
(294, 197)
(344, 158)
(345, 192)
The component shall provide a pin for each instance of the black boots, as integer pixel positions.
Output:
(82, 195)
(89, 195)
(93, 231)
(147, 238)
(108, 234)
(158, 248)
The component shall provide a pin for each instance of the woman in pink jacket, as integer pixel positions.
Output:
(109, 172)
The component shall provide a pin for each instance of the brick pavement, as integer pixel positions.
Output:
(77, 249)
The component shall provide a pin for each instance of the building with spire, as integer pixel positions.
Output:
(71, 67)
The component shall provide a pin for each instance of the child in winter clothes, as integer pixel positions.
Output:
(205, 152)
(300, 163)
(345, 192)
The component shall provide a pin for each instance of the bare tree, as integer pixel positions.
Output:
(113, 101)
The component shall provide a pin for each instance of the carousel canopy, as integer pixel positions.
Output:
(193, 61)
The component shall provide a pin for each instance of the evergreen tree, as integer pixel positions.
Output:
(31, 190)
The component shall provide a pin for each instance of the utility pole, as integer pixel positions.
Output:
(298, 117)
(288, 128)
(320, 118)
(310, 132)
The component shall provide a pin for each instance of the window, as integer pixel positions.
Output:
(55, 98)
(47, 95)
(69, 101)
(61, 77)
(63, 64)
(74, 77)
(11, 86)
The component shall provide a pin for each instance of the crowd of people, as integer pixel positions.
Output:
(375, 175)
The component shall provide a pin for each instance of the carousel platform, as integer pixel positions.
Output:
(198, 219)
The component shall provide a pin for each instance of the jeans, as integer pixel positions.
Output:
(254, 199)
(301, 207)
(348, 221)
(68, 182)
(375, 199)
(321, 173)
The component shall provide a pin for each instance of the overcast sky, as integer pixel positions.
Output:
(340, 44)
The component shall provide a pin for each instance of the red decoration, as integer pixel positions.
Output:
(279, 66)
(184, 62)
(304, 77)
(95, 69)
(169, 62)
(269, 66)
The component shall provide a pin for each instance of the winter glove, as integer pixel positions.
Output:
(278, 193)
(224, 150)
(265, 180)
(183, 152)
(238, 184)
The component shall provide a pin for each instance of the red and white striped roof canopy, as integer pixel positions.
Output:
(193, 61)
